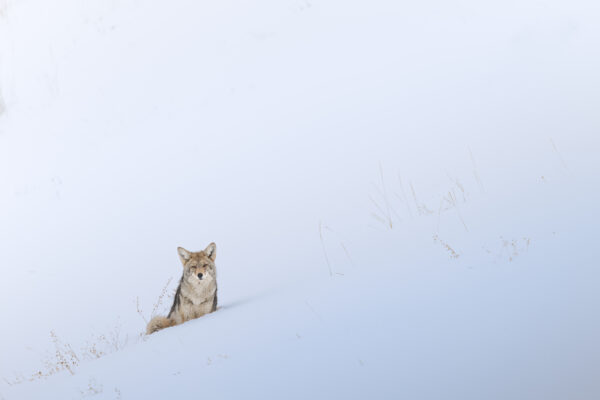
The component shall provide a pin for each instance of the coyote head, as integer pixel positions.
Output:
(198, 267)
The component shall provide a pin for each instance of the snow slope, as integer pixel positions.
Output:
(403, 195)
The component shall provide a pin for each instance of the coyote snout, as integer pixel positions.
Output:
(197, 291)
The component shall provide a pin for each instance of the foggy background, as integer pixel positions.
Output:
(283, 129)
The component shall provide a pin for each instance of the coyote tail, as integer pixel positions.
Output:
(158, 323)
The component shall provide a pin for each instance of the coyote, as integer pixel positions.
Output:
(197, 291)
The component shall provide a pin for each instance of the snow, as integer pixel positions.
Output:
(292, 133)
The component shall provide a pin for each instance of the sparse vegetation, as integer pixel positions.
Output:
(92, 389)
(66, 358)
(385, 212)
(157, 304)
(456, 195)
(342, 242)
(453, 254)
(509, 249)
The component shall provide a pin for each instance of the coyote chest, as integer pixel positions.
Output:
(196, 294)
(193, 300)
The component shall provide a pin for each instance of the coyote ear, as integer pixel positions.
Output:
(211, 251)
(184, 255)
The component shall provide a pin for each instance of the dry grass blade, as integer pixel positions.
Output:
(324, 248)
(562, 160)
(450, 250)
(159, 301)
(139, 310)
(421, 207)
(404, 197)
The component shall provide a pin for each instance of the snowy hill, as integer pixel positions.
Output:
(404, 198)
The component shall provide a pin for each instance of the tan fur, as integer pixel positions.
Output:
(195, 296)
(158, 323)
